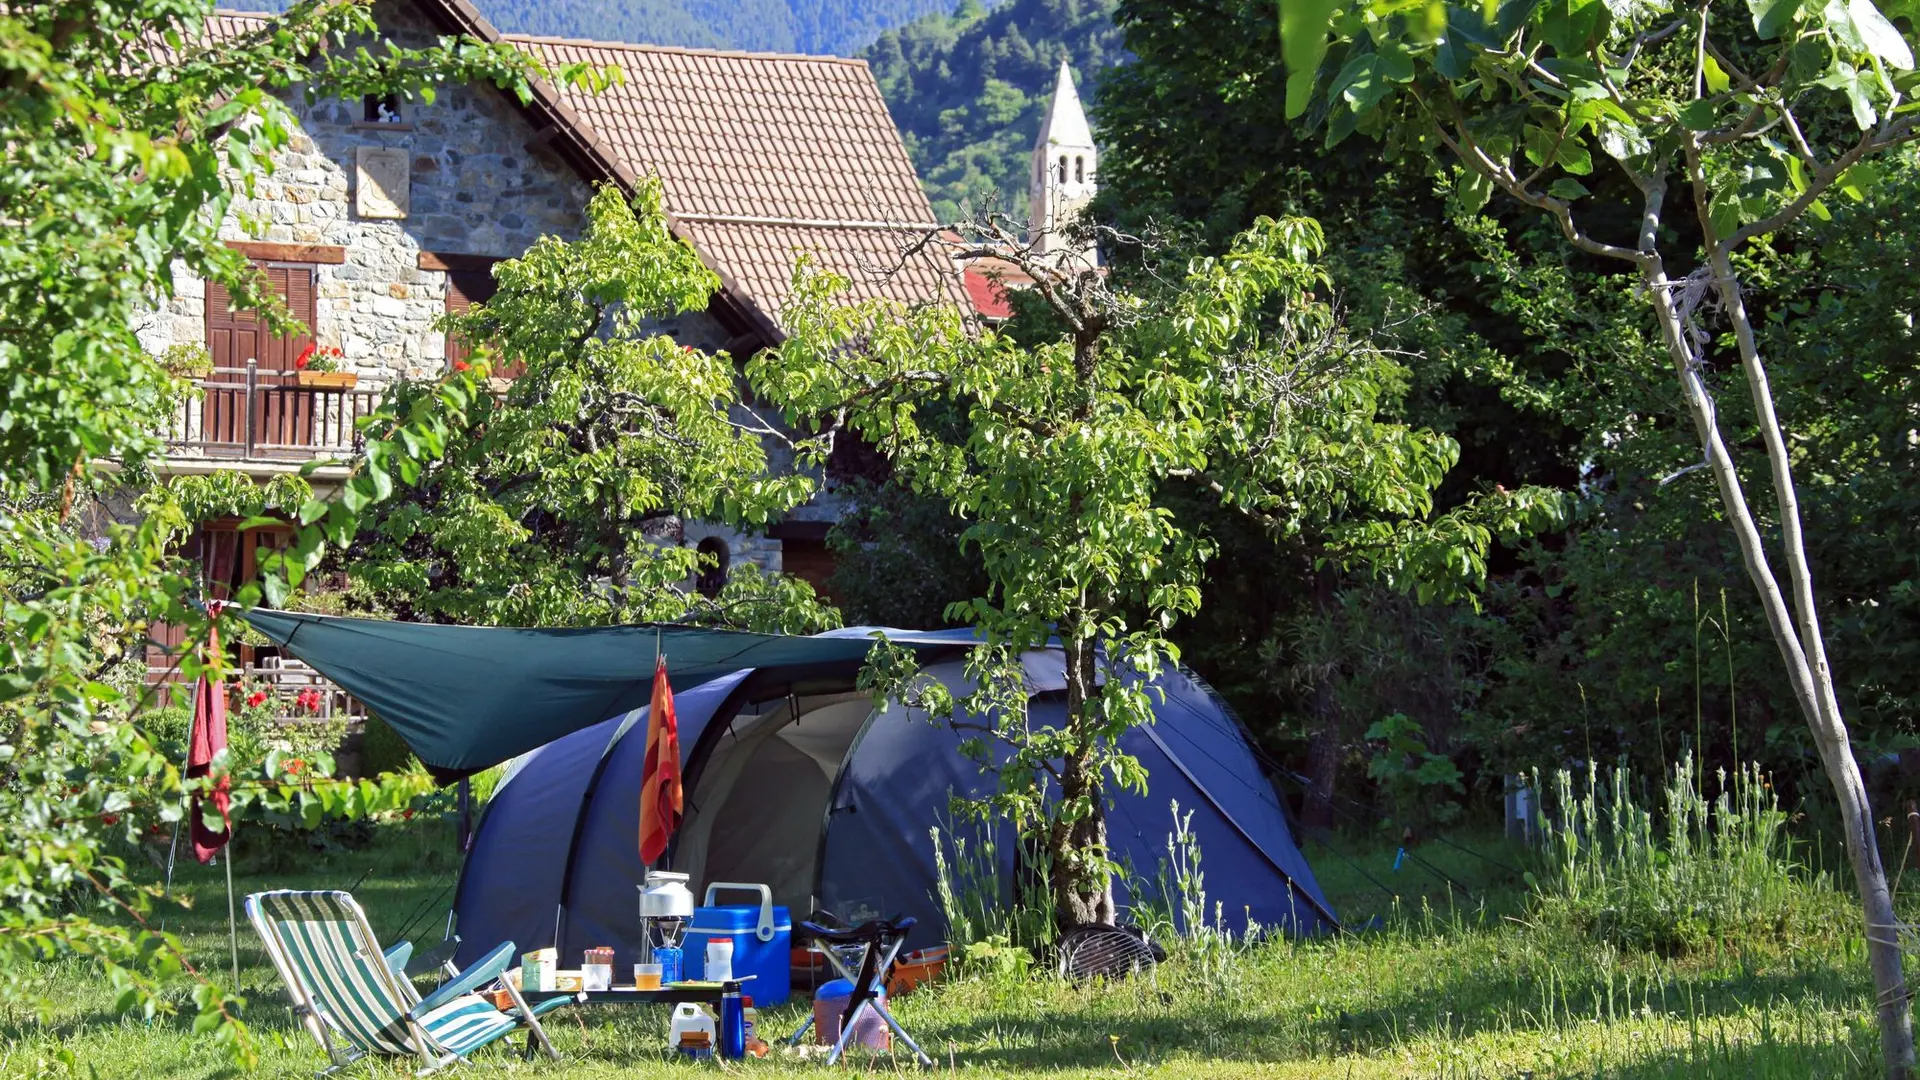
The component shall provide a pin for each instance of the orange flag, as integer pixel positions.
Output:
(660, 776)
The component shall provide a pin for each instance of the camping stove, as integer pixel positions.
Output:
(665, 906)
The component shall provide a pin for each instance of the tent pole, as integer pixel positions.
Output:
(233, 932)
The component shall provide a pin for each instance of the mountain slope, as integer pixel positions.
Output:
(830, 27)
(834, 27)
(968, 90)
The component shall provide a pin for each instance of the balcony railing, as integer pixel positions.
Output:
(254, 415)
(283, 681)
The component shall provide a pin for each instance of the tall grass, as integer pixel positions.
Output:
(982, 907)
(1698, 874)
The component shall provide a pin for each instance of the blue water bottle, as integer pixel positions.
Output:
(733, 1025)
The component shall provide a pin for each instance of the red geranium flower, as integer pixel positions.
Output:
(294, 765)
(407, 814)
(306, 356)
(109, 819)
(462, 365)
(254, 699)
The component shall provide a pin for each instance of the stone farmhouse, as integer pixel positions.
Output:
(386, 214)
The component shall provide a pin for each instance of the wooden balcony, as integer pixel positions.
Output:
(283, 680)
(251, 414)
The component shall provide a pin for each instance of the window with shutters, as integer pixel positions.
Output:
(229, 558)
(282, 415)
(465, 288)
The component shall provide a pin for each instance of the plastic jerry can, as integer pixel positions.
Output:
(762, 937)
(690, 1017)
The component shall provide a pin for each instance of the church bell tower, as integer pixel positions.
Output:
(1065, 164)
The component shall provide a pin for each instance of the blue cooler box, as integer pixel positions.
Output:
(762, 942)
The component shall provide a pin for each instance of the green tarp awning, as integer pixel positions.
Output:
(465, 698)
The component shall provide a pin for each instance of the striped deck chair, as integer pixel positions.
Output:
(353, 999)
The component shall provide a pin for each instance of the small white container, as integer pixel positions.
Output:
(596, 976)
(720, 960)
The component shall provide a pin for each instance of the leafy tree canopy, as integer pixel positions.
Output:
(1237, 382)
(560, 505)
(123, 133)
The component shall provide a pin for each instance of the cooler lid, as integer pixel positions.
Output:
(737, 919)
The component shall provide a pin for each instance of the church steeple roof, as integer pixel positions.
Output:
(1066, 122)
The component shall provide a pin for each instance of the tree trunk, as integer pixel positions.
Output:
(1077, 846)
(1325, 746)
(1804, 651)
(1323, 761)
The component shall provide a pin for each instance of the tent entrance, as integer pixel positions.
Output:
(759, 806)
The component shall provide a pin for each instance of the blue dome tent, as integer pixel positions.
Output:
(792, 777)
(809, 789)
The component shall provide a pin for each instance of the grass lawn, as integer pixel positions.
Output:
(1440, 987)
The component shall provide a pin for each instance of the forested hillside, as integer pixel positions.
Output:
(830, 27)
(968, 90)
(836, 27)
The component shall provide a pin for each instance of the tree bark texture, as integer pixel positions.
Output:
(1325, 746)
(1082, 889)
(1801, 645)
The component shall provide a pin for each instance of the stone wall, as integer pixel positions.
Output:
(471, 188)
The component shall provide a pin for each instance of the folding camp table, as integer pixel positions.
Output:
(704, 994)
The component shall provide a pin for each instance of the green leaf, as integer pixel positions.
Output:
(1568, 188)
(1363, 82)
(1771, 17)
(1575, 157)
(1881, 38)
(1717, 80)
(1848, 81)
(1623, 141)
(1571, 26)
(1700, 115)
(1303, 45)
(1859, 180)
(1471, 191)
(1724, 214)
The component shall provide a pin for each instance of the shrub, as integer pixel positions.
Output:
(381, 749)
(1701, 874)
(257, 734)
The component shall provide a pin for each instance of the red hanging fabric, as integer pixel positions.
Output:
(660, 774)
(208, 738)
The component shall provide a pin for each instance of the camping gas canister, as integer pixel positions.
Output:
(762, 936)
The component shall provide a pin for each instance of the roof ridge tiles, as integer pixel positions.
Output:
(685, 50)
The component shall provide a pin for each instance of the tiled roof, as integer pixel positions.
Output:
(988, 296)
(762, 156)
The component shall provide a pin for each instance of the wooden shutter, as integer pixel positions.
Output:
(234, 337)
(466, 288)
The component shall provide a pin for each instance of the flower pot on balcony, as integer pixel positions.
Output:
(325, 380)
